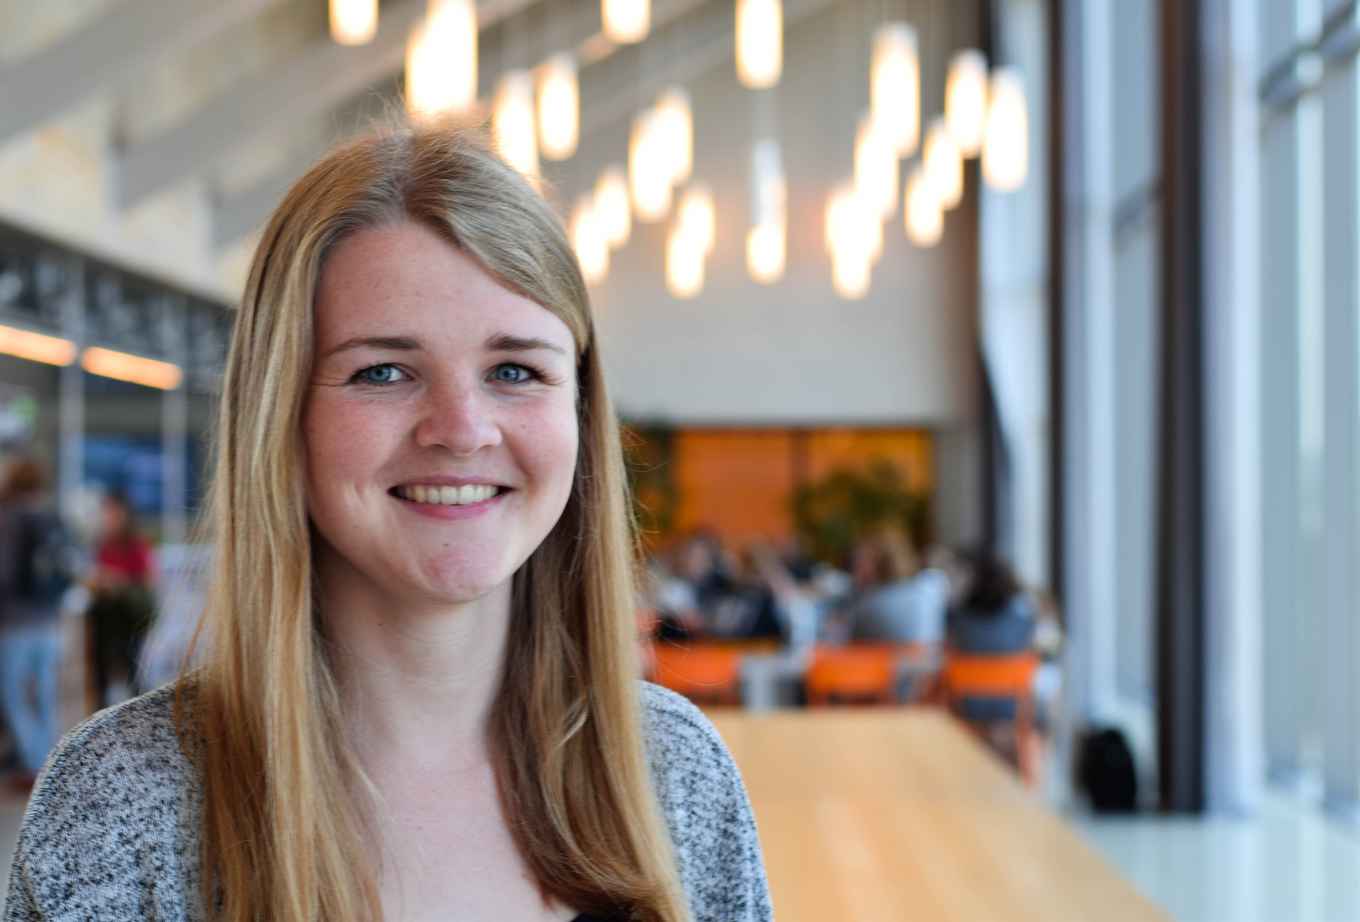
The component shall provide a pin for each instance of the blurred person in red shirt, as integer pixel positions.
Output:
(123, 602)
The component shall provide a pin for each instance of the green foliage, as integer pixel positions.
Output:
(649, 452)
(832, 513)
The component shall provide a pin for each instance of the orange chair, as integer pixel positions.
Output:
(857, 674)
(992, 677)
(705, 675)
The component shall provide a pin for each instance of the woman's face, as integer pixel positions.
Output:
(113, 517)
(440, 423)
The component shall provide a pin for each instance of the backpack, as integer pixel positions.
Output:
(45, 564)
(1106, 772)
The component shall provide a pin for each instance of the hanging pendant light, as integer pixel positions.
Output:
(895, 86)
(853, 229)
(1005, 149)
(876, 167)
(760, 43)
(767, 238)
(697, 216)
(850, 276)
(626, 22)
(441, 60)
(965, 100)
(353, 22)
(675, 120)
(512, 122)
(684, 264)
(841, 218)
(847, 240)
(766, 245)
(943, 165)
(871, 230)
(612, 206)
(924, 220)
(559, 107)
(649, 168)
(588, 240)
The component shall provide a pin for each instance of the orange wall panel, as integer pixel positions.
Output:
(736, 481)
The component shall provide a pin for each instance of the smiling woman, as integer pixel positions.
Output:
(420, 695)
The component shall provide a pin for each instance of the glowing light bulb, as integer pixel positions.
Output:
(512, 122)
(876, 167)
(1005, 149)
(648, 169)
(675, 121)
(698, 217)
(943, 165)
(612, 206)
(965, 100)
(441, 60)
(559, 107)
(760, 43)
(684, 264)
(895, 86)
(588, 240)
(353, 22)
(850, 275)
(924, 219)
(626, 22)
(765, 252)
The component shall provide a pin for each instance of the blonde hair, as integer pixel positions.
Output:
(281, 829)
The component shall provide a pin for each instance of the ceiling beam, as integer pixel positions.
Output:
(93, 57)
(316, 78)
(238, 214)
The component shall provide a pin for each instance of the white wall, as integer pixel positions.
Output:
(793, 352)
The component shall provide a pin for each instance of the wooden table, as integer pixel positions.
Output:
(899, 815)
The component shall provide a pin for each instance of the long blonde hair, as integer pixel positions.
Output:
(284, 829)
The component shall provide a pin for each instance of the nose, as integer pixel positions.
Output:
(459, 418)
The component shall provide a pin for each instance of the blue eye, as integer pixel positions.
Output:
(379, 374)
(511, 374)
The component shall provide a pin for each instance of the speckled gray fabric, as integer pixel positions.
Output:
(111, 832)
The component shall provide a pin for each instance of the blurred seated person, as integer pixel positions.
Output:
(995, 615)
(707, 597)
(998, 618)
(894, 599)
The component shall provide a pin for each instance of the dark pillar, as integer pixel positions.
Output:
(1180, 531)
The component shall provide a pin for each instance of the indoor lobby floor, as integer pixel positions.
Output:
(1289, 863)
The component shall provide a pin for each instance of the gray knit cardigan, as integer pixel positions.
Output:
(112, 829)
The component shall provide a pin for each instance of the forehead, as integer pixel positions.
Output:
(406, 276)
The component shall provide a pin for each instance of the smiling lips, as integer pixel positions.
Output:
(465, 495)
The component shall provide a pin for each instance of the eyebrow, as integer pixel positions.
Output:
(504, 342)
(398, 343)
(501, 342)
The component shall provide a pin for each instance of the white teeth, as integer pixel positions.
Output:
(449, 495)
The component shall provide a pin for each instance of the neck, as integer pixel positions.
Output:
(417, 681)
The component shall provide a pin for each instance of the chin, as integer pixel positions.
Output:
(456, 586)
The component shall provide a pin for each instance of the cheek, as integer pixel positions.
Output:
(339, 445)
(550, 443)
